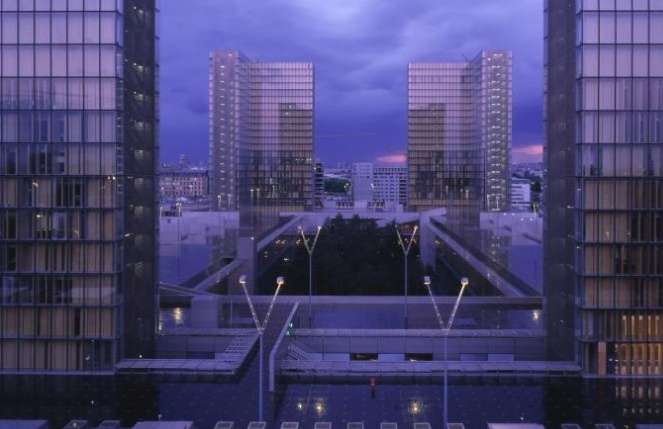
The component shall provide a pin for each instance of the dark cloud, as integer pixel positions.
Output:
(360, 49)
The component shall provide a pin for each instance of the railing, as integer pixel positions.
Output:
(277, 345)
(494, 266)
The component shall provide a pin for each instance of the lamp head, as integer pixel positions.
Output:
(280, 280)
(427, 281)
(242, 279)
(464, 282)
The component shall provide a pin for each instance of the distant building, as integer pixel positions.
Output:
(184, 161)
(362, 184)
(183, 182)
(319, 185)
(459, 133)
(260, 137)
(521, 194)
(390, 187)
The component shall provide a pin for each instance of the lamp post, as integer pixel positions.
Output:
(260, 327)
(406, 251)
(464, 282)
(178, 212)
(309, 249)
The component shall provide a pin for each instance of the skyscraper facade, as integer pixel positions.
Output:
(604, 198)
(78, 156)
(261, 137)
(228, 124)
(459, 133)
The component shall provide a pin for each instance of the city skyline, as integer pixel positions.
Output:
(363, 97)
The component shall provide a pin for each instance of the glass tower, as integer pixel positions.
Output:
(78, 157)
(608, 195)
(459, 133)
(261, 138)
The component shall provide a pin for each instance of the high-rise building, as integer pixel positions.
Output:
(78, 187)
(521, 194)
(260, 137)
(228, 124)
(319, 185)
(459, 133)
(604, 195)
(390, 187)
(362, 184)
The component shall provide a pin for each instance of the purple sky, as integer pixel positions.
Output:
(360, 49)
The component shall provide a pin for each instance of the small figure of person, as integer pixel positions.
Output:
(371, 383)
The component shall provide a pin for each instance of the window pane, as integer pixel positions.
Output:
(606, 128)
(92, 94)
(75, 93)
(108, 127)
(590, 61)
(26, 61)
(59, 27)
(76, 4)
(108, 28)
(108, 94)
(91, 27)
(590, 27)
(9, 61)
(43, 93)
(607, 60)
(107, 4)
(9, 93)
(656, 94)
(42, 61)
(59, 60)
(656, 27)
(107, 61)
(624, 65)
(43, 28)
(656, 61)
(623, 94)
(640, 27)
(640, 94)
(59, 93)
(9, 27)
(607, 94)
(91, 61)
(75, 27)
(607, 27)
(75, 54)
(640, 61)
(91, 4)
(623, 27)
(9, 4)
(590, 94)
(43, 5)
(26, 27)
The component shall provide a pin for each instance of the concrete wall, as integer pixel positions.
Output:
(473, 345)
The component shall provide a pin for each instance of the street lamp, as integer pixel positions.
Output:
(406, 251)
(178, 212)
(260, 327)
(309, 249)
(464, 282)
